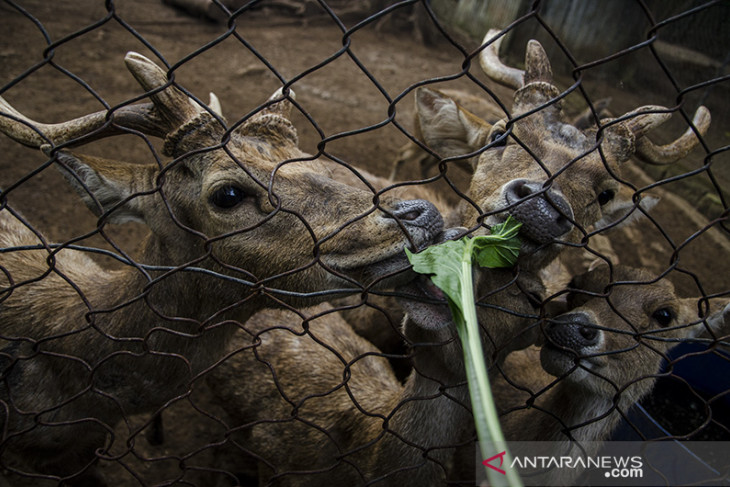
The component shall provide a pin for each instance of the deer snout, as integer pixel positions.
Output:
(544, 213)
(574, 332)
(572, 346)
(421, 220)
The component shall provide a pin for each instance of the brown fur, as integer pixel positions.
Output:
(321, 406)
(315, 404)
(585, 403)
(86, 346)
(341, 439)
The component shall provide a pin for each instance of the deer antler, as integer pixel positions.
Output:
(492, 65)
(534, 86)
(274, 119)
(173, 106)
(170, 109)
(651, 153)
(35, 134)
(537, 64)
(644, 119)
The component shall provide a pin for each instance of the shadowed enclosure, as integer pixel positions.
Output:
(204, 206)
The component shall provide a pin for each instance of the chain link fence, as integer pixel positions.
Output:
(228, 305)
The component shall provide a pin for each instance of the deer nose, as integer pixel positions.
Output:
(544, 216)
(573, 331)
(420, 217)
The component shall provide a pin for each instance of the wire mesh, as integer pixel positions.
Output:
(231, 310)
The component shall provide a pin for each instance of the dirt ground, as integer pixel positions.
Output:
(339, 91)
(336, 94)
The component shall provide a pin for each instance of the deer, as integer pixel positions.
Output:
(559, 176)
(549, 175)
(320, 405)
(597, 360)
(545, 164)
(561, 182)
(239, 220)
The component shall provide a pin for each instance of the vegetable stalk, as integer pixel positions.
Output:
(450, 266)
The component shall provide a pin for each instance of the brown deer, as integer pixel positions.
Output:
(559, 176)
(557, 180)
(562, 183)
(316, 404)
(598, 360)
(552, 176)
(546, 173)
(322, 405)
(240, 220)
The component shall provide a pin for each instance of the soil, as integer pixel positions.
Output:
(344, 96)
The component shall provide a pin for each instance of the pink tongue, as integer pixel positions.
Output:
(433, 290)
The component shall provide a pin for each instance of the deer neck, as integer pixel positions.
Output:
(555, 417)
(435, 403)
(190, 287)
(174, 311)
(573, 406)
(433, 411)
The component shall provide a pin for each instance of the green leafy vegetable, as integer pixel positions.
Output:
(447, 263)
(450, 266)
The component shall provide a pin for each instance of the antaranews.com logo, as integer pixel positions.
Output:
(613, 467)
(610, 464)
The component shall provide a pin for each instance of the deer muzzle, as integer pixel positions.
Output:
(421, 225)
(426, 304)
(544, 213)
(421, 220)
(571, 340)
(573, 332)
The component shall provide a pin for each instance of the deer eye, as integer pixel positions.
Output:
(663, 316)
(606, 196)
(497, 138)
(227, 197)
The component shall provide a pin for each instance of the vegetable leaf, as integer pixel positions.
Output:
(445, 262)
(450, 266)
(501, 248)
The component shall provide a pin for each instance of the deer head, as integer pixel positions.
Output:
(599, 358)
(243, 199)
(534, 165)
(620, 326)
(241, 204)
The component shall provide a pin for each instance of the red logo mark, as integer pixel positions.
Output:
(487, 463)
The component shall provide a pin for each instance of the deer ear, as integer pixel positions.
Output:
(273, 121)
(447, 128)
(719, 321)
(108, 187)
